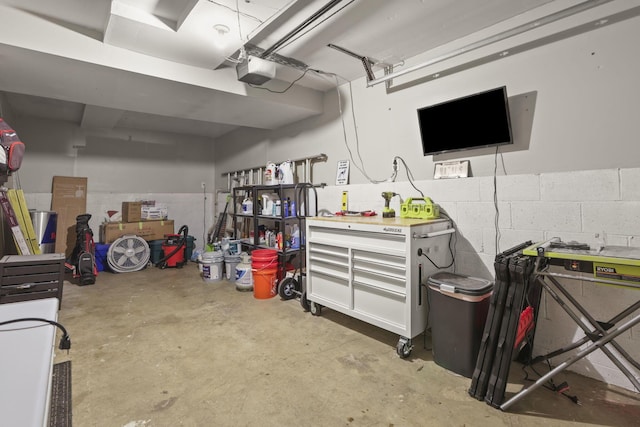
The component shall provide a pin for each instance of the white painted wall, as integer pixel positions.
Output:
(120, 167)
(573, 103)
(572, 171)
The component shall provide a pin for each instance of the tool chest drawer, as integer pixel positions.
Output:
(29, 277)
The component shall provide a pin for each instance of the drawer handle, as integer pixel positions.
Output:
(329, 261)
(400, 267)
(327, 252)
(380, 288)
(379, 273)
(333, 276)
(434, 233)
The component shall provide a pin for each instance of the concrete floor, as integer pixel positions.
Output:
(164, 348)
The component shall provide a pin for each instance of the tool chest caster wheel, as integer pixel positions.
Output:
(315, 308)
(287, 288)
(404, 347)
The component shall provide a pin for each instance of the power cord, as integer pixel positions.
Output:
(358, 164)
(427, 327)
(561, 388)
(495, 196)
(65, 341)
(410, 177)
(285, 89)
(453, 257)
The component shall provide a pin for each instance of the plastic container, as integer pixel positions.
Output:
(295, 237)
(190, 247)
(264, 268)
(156, 250)
(458, 311)
(230, 263)
(270, 174)
(235, 247)
(102, 249)
(244, 276)
(267, 204)
(212, 266)
(247, 206)
(285, 172)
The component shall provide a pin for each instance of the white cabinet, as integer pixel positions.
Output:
(370, 268)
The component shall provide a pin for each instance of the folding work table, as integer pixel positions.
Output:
(618, 266)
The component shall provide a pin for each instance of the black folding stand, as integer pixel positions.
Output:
(612, 265)
(512, 292)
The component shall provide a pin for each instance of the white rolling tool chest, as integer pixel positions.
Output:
(370, 268)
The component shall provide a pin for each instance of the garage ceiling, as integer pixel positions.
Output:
(164, 65)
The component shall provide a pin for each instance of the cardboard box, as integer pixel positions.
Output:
(148, 230)
(131, 211)
(68, 200)
(155, 212)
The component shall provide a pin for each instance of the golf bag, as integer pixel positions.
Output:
(11, 149)
(82, 259)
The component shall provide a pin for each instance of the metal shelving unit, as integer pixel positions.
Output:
(257, 230)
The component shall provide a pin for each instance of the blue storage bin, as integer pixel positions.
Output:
(101, 256)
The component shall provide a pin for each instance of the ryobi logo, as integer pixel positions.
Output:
(601, 269)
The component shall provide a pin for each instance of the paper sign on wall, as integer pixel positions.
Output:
(342, 176)
(455, 169)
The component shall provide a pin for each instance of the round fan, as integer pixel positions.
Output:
(128, 253)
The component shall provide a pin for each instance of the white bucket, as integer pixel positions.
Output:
(212, 264)
(244, 276)
(230, 263)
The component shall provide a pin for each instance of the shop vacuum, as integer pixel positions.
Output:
(174, 249)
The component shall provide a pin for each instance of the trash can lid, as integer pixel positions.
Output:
(458, 283)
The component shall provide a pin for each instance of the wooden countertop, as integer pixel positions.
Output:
(378, 220)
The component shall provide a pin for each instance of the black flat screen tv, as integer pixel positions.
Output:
(474, 121)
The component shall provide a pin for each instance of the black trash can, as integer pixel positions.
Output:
(458, 307)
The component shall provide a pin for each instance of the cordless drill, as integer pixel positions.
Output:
(388, 212)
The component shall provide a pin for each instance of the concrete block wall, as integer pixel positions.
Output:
(586, 206)
(189, 209)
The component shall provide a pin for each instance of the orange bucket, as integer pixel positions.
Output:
(264, 267)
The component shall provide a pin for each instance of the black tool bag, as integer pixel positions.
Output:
(84, 253)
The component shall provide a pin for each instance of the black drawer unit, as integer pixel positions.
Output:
(29, 277)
